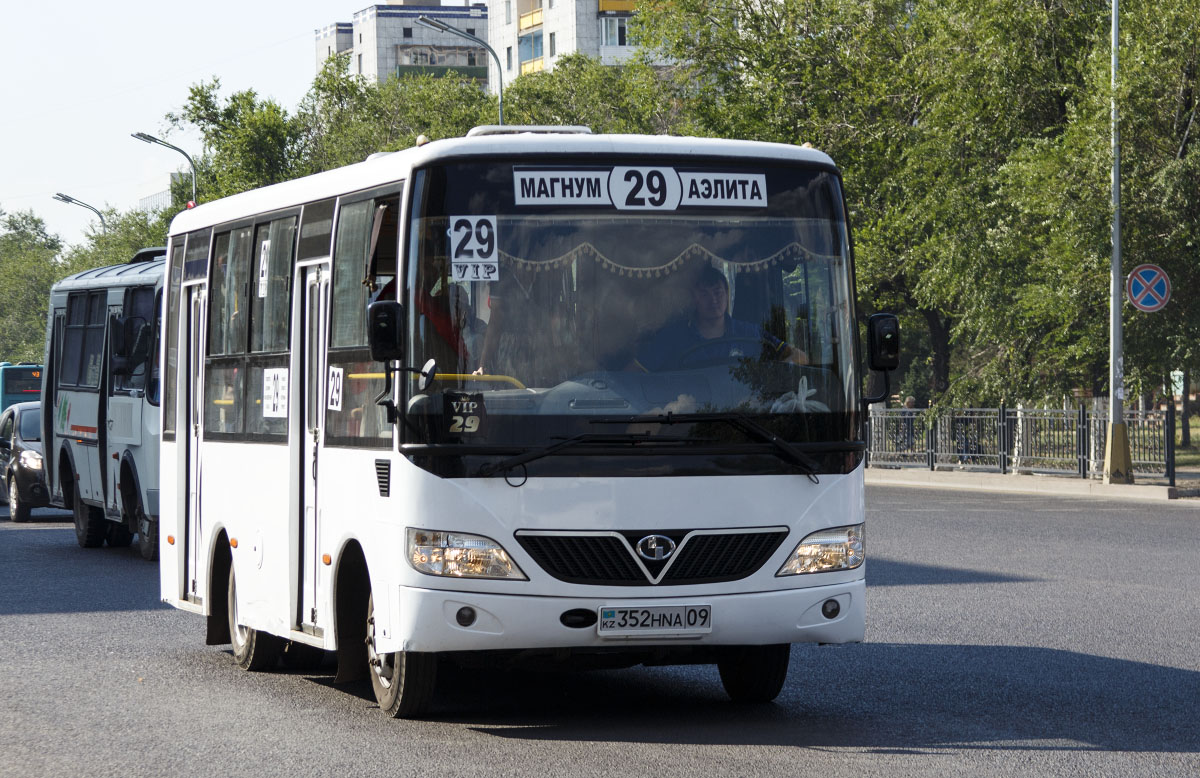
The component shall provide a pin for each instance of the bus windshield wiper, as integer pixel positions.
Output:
(603, 439)
(806, 464)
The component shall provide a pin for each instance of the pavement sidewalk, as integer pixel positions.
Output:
(1187, 484)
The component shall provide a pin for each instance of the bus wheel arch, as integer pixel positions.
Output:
(136, 518)
(66, 477)
(91, 528)
(253, 649)
(402, 681)
(351, 589)
(217, 627)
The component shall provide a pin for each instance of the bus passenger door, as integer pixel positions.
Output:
(196, 334)
(316, 327)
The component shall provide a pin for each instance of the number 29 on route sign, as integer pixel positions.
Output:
(1148, 288)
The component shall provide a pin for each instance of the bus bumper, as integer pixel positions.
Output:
(428, 619)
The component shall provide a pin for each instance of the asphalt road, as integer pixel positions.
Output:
(1007, 635)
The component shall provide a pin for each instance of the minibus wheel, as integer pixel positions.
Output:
(754, 673)
(147, 532)
(90, 528)
(119, 535)
(402, 681)
(252, 650)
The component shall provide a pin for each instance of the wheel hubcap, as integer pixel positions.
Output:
(239, 634)
(382, 665)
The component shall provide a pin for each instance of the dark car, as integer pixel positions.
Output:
(24, 479)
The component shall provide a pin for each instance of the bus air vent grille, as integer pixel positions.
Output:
(383, 474)
(586, 559)
(609, 558)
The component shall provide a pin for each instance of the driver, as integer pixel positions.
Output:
(711, 333)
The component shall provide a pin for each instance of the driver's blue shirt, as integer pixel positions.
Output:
(679, 345)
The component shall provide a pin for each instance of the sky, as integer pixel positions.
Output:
(77, 78)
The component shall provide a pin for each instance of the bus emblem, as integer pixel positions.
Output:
(655, 548)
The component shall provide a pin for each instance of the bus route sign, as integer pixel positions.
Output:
(1148, 288)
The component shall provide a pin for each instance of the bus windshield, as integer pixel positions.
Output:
(629, 303)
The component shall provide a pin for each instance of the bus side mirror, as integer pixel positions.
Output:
(384, 330)
(137, 338)
(120, 345)
(883, 341)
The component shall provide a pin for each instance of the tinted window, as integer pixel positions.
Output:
(228, 306)
(364, 266)
(269, 300)
(175, 275)
(83, 340)
(31, 424)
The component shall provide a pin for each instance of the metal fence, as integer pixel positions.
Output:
(1022, 440)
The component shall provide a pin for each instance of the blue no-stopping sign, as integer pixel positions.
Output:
(1148, 288)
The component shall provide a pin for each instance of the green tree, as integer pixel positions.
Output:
(344, 118)
(127, 233)
(28, 267)
(248, 142)
(632, 98)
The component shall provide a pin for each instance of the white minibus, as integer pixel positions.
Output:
(529, 396)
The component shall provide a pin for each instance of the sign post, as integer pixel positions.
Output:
(1118, 460)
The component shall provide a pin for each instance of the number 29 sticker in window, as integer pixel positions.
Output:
(473, 248)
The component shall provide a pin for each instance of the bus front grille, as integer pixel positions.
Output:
(610, 558)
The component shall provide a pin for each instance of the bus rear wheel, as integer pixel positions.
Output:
(147, 532)
(90, 525)
(754, 673)
(403, 681)
(252, 650)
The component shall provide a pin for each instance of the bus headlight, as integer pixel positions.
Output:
(31, 460)
(459, 555)
(837, 548)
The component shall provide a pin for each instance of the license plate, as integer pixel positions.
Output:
(655, 621)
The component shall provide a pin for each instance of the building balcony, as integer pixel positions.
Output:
(528, 21)
(625, 6)
(532, 66)
(464, 71)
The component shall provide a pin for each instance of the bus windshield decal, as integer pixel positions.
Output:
(473, 248)
(639, 188)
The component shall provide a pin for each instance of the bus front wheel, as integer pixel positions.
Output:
(403, 681)
(252, 650)
(754, 673)
(90, 526)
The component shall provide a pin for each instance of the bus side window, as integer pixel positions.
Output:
(364, 263)
(224, 372)
(270, 308)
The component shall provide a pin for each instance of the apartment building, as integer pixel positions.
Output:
(529, 35)
(384, 41)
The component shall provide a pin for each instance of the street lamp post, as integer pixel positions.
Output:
(440, 26)
(1118, 462)
(151, 139)
(62, 198)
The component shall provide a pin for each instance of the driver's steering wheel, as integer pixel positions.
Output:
(724, 344)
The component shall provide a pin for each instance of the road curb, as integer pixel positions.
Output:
(1024, 484)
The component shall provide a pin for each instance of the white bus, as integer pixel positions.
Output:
(528, 395)
(100, 401)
